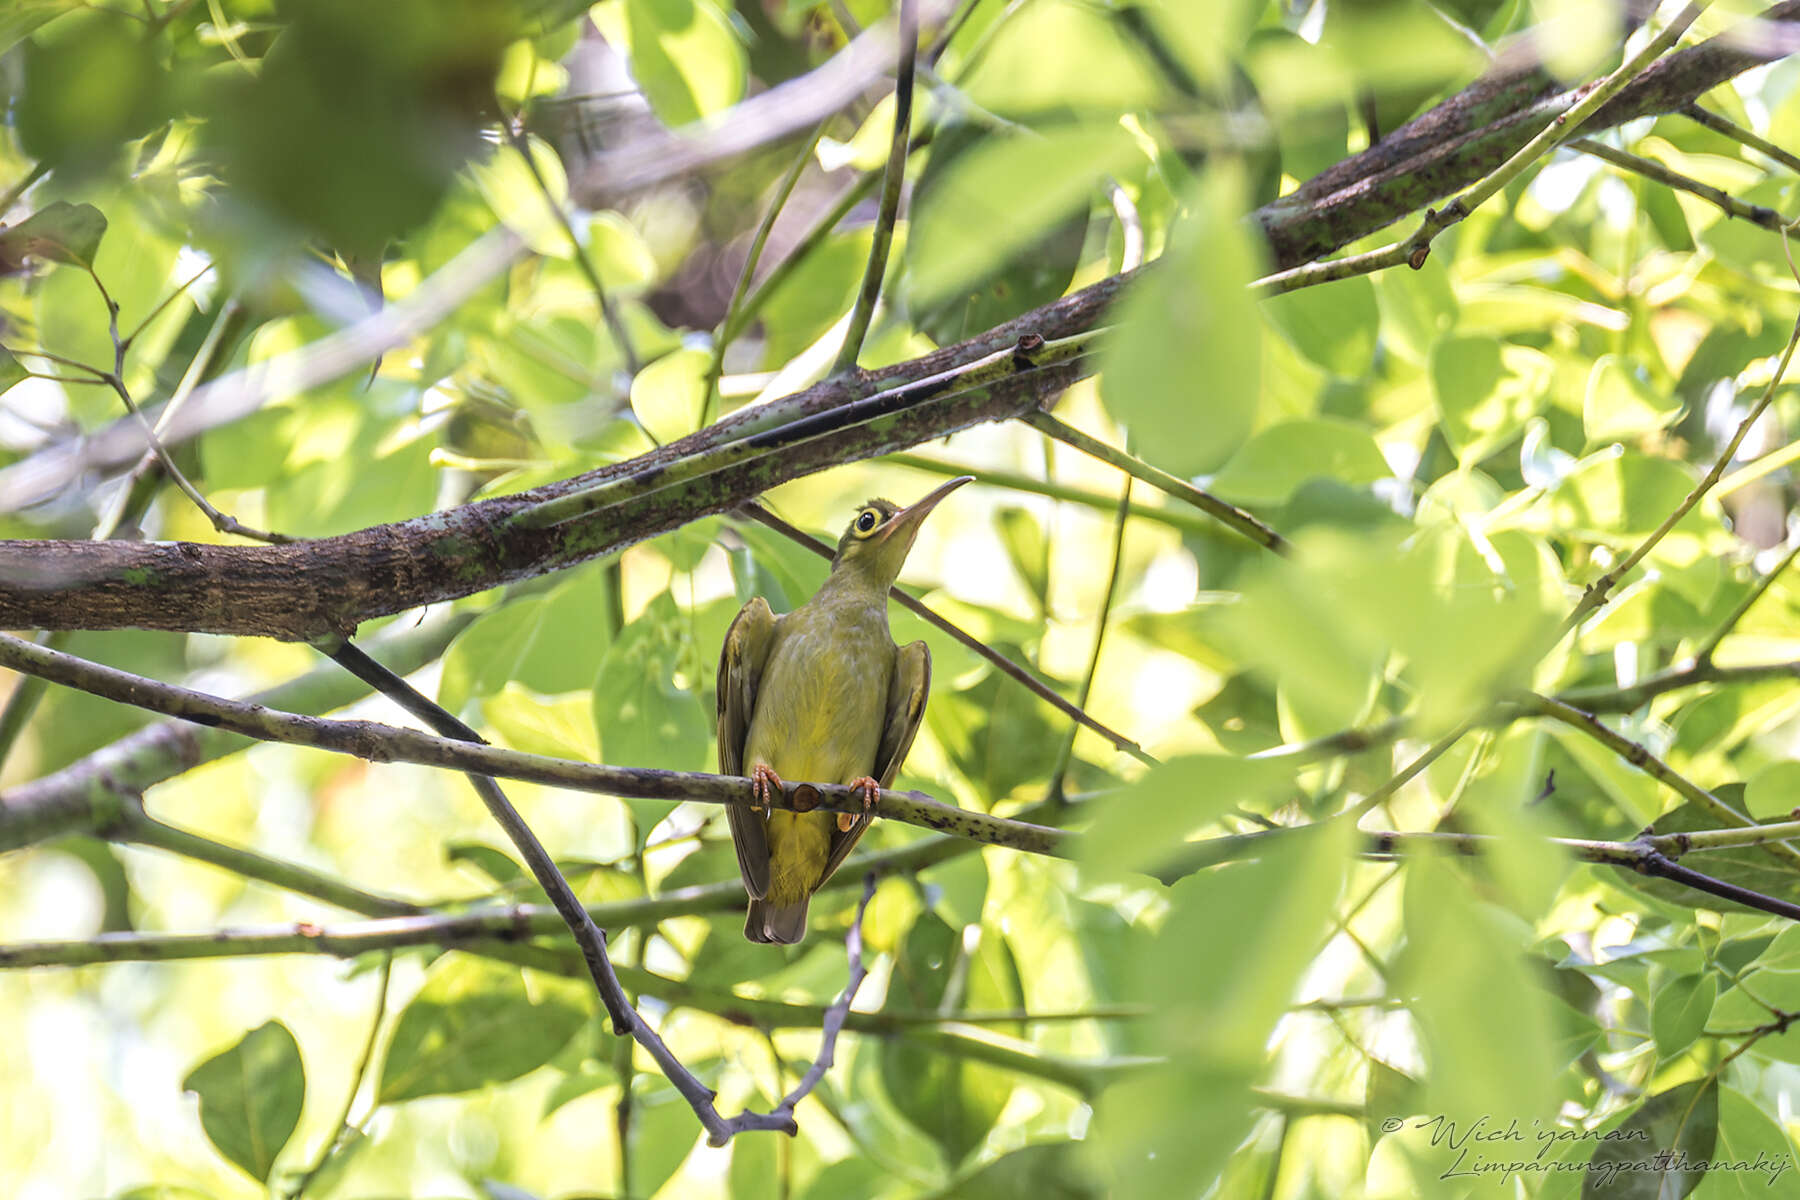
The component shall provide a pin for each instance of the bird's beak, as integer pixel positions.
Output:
(905, 525)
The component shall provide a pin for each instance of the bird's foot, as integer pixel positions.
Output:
(871, 793)
(764, 783)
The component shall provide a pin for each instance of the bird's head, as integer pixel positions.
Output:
(881, 533)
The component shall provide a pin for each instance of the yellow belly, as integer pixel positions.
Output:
(799, 844)
(819, 714)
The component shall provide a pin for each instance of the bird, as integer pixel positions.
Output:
(820, 694)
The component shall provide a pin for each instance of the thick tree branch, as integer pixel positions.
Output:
(1446, 149)
(24, 819)
(94, 791)
(327, 586)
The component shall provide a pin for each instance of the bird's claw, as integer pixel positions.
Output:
(871, 794)
(764, 783)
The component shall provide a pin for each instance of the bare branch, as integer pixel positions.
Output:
(327, 586)
(28, 818)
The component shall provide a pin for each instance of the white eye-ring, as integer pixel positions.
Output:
(866, 520)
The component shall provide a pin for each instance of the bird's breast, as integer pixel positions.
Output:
(822, 698)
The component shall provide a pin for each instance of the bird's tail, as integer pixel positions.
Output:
(783, 924)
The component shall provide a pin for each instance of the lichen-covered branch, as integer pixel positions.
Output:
(328, 586)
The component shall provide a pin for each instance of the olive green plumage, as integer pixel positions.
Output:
(820, 695)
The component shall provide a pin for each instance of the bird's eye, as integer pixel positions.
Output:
(866, 520)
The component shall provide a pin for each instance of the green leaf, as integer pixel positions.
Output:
(1183, 371)
(1220, 974)
(953, 1100)
(685, 57)
(669, 394)
(1487, 1027)
(1680, 1011)
(815, 296)
(1758, 868)
(1143, 827)
(499, 866)
(1659, 1145)
(562, 727)
(1417, 307)
(999, 196)
(91, 82)
(644, 716)
(1050, 1171)
(11, 370)
(23, 16)
(620, 254)
(1773, 793)
(588, 1078)
(1747, 1134)
(1000, 223)
(755, 1172)
(251, 1096)
(1622, 403)
(477, 1022)
(1204, 36)
(996, 733)
(1622, 495)
(1333, 325)
(351, 92)
(351, 462)
(1486, 391)
(521, 203)
(59, 232)
(1027, 547)
(1276, 461)
(853, 1178)
(551, 644)
(663, 1132)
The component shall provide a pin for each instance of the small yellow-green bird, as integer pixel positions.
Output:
(823, 695)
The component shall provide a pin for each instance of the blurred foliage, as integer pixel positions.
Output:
(1454, 453)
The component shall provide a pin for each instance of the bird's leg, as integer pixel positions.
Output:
(764, 783)
(871, 793)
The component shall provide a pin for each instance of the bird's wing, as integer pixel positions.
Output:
(905, 710)
(741, 662)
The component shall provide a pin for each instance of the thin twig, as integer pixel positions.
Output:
(137, 828)
(621, 336)
(1731, 206)
(737, 320)
(115, 379)
(374, 741)
(537, 859)
(1640, 757)
(588, 935)
(1407, 773)
(1229, 515)
(892, 181)
(161, 305)
(344, 1130)
(1600, 590)
(1657, 864)
(1731, 129)
(241, 392)
(840, 1008)
(1413, 250)
(11, 196)
(730, 324)
(1007, 666)
(1067, 754)
(1703, 656)
(1017, 481)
